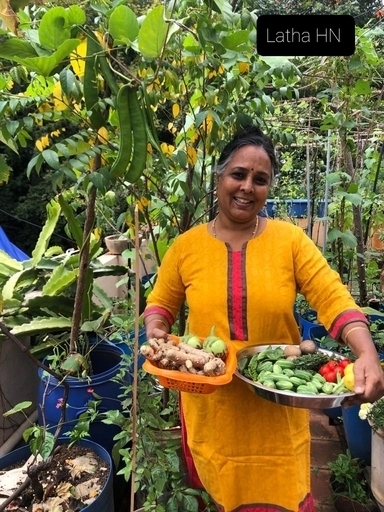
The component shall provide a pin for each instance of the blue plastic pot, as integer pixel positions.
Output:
(104, 502)
(357, 434)
(105, 359)
(307, 321)
(297, 208)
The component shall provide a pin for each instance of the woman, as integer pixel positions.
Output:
(241, 272)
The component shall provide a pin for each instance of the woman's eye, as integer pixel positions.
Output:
(261, 181)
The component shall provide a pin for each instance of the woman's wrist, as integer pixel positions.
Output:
(156, 322)
(358, 338)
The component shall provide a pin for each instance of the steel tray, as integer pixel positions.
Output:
(288, 397)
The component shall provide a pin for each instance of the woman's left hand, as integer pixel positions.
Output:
(369, 379)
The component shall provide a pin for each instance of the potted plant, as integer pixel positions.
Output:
(374, 413)
(351, 491)
(56, 471)
(147, 451)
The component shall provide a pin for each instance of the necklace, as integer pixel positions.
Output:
(253, 232)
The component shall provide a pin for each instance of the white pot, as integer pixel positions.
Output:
(377, 465)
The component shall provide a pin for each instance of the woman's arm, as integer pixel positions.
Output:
(369, 375)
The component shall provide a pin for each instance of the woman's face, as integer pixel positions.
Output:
(242, 188)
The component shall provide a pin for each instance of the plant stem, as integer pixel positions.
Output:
(84, 261)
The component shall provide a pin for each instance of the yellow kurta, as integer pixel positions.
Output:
(249, 452)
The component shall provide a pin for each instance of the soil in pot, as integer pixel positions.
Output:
(73, 481)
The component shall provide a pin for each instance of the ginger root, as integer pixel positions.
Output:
(168, 355)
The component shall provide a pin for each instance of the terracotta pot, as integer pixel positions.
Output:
(115, 244)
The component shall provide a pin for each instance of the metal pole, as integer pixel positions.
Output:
(326, 193)
(309, 213)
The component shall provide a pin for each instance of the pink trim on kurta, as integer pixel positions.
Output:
(237, 300)
(152, 310)
(345, 319)
(306, 506)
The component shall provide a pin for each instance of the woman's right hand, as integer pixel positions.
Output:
(157, 333)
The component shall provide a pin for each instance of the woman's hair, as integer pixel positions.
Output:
(249, 136)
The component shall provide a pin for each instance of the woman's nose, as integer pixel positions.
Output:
(247, 185)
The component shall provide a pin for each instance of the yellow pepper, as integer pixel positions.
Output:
(349, 377)
(349, 368)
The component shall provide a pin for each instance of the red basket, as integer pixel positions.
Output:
(190, 383)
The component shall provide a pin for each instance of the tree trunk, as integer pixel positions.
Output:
(84, 261)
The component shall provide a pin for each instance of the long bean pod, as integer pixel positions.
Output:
(138, 122)
(123, 158)
(90, 85)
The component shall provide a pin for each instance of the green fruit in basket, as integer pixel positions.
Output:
(191, 339)
(215, 345)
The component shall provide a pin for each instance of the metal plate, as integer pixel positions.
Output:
(288, 397)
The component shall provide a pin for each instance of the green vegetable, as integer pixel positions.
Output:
(215, 345)
(277, 369)
(284, 385)
(285, 363)
(90, 84)
(138, 122)
(311, 361)
(303, 374)
(125, 137)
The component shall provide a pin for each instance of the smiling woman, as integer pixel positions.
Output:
(246, 268)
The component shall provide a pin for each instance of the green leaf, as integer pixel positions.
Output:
(51, 158)
(48, 445)
(55, 303)
(349, 239)
(53, 214)
(15, 48)
(24, 53)
(103, 298)
(238, 41)
(18, 408)
(362, 87)
(76, 15)
(42, 326)
(123, 25)
(73, 223)
(60, 280)
(152, 34)
(225, 8)
(12, 264)
(67, 82)
(54, 28)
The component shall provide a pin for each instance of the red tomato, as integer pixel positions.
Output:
(343, 363)
(330, 376)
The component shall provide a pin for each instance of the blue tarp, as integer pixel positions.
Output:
(10, 248)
